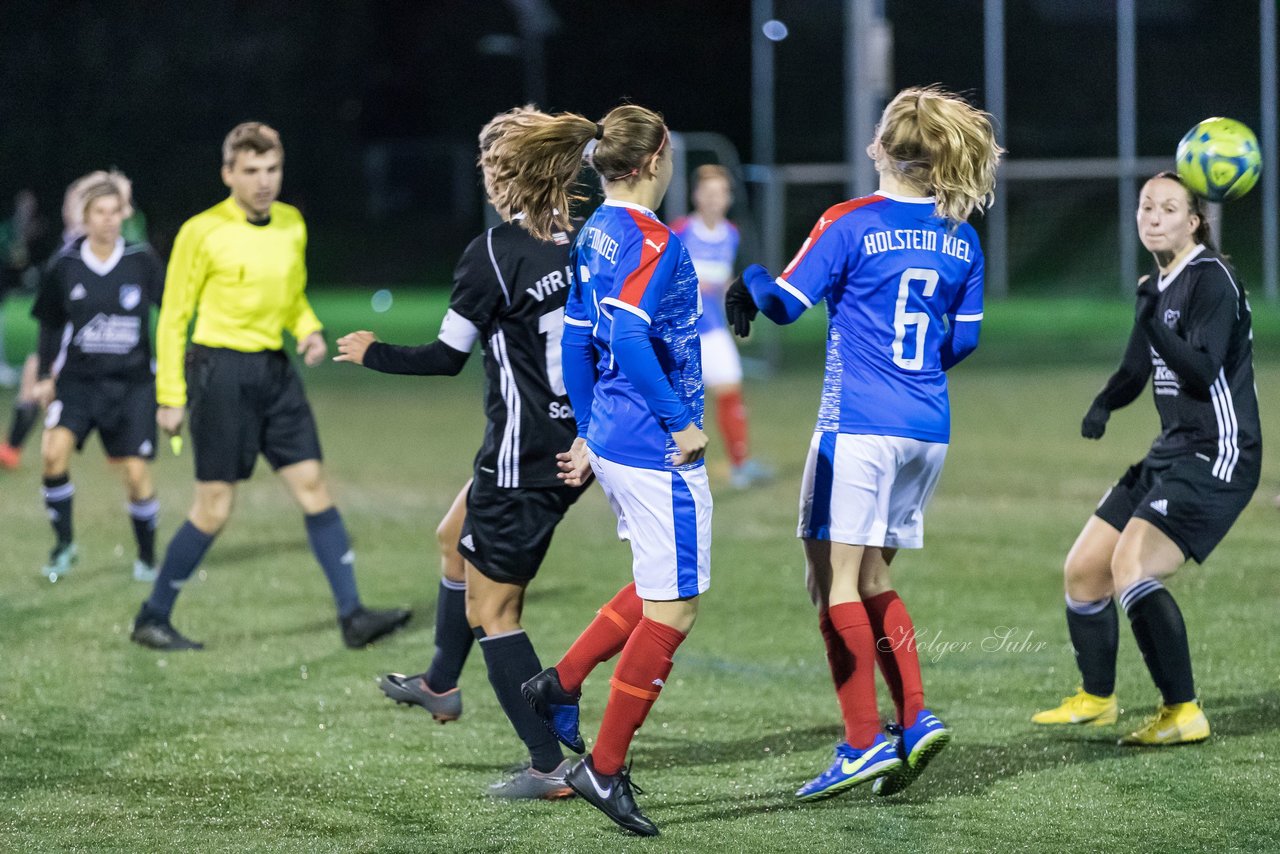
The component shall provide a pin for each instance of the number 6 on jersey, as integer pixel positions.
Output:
(919, 319)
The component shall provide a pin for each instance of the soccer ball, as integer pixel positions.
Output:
(1219, 159)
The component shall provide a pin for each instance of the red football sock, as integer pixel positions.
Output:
(857, 691)
(638, 679)
(896, 652)
(603, 639)
(732, 415)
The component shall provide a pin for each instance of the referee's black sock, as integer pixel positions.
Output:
(58, 492)
(1162, 637)
(25, 413)
(511, 661)
(329, 543)
(184, 554)
(143, 515)
(1095, 637)
(453, 637)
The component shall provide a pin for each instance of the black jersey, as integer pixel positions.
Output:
(509, 291)
(95, 316)
(1196, 343)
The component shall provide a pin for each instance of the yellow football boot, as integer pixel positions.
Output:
(1081, 708)
(1181, 723)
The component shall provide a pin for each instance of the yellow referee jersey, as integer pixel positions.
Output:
(245, 284)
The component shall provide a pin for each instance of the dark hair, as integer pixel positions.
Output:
(1195, 205)
(542, 155)
(256, 137)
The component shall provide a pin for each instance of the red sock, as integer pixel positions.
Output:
(896, 652)
(638, 679)
(857, 691)
(732, 415)
(603, 639)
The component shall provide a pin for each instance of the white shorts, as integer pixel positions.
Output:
(721, 364)
(868, 490)
(667, 517)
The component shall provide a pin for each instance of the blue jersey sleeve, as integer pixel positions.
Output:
(639, 363)
(965, 316)
(823, 256)
(646, 267)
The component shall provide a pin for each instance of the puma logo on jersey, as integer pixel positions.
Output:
(657, 247)
(1161, 506)
(549, 284)
(823, 222)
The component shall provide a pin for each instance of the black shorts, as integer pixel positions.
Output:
(507, 531)
(1182, 498)
(245, 404)
(122, 411)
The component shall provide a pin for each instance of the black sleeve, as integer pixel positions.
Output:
(434, 359)
(477, 292)
(51, 311)
(1131, 377)
(1197, 358)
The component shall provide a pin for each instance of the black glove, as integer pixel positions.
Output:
(740, 308)
(1095, 421)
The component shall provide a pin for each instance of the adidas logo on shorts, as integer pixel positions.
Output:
(468, 543)
(1161, 506)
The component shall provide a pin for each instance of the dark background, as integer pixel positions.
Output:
(379, 102)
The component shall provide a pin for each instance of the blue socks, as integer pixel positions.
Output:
(184, 554)
(329, 543)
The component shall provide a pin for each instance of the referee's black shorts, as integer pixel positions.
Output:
(1183, 498)
(123, 411)
(245, 404)
(508, 530)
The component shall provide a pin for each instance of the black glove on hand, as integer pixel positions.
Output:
(1095, 422)
(740, 308)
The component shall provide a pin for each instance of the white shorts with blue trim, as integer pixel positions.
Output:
(667, 517)
(721, 364)
(867, 490)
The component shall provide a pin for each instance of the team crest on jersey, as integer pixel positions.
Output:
(78, 292)
(130, 296)
(1171, 316)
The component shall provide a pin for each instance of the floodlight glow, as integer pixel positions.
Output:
(774, 30)
(381, 301)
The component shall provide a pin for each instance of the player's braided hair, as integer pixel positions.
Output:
(938, 142)
(532, 159)
(1197, 208)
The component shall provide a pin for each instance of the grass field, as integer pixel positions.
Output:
(277, 739)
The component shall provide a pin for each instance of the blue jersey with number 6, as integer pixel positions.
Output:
(899, 282)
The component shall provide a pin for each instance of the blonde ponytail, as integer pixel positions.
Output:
(938, 142)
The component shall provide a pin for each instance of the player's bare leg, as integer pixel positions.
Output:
(56, 446)
(332, 549)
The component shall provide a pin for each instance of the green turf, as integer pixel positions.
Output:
(277, 739)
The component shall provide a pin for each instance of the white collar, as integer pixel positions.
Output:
(101, 267)
(1165, 280)
(618, 203)
(911, 200)
(519, 215)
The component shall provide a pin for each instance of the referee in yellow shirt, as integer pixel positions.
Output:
(239, 267)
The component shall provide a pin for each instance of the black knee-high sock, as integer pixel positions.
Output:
(329, 543)
(453, 637)
(143, 514)
(58, 492)
(1162, 636)
(1095, 637)
(511, 660)
(184, 554)
(24, 418)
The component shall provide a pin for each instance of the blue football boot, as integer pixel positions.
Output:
(851, 767)
(556, 706)
(917, 745)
